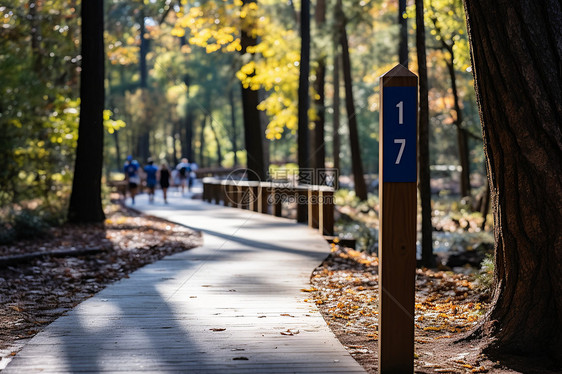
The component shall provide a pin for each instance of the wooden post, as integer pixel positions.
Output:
(254, 195)
(326, 211)
(301, 197)
(218, 192)
(263, 197)
(313, 206)
(398, 208)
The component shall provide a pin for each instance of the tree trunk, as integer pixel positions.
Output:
(356, 163)
(143, 145)
(403, 44)
(303, 97)
(516, 49)
(119, 164)
(462, 139)
(187, 144)
(336, 117)
(214, 131)
(35, 32)
(253, 134)
(85, 200)
(233, 134)
(202, 142)
(423, 143)
(319, 148)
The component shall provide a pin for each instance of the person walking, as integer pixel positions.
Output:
(131, 170)
(164, 178)
(150, 169)
(184, 170)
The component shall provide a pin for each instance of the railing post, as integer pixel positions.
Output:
(244, 198)
(326, 211)
(206, 189)
(301, 196)
(253, 195)
(217, 192)
(276, 201)
(263, 196)
(313, 206)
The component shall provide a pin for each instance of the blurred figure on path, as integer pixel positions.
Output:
(164, 178)
(150, 169)
(184, 170)
(131, 170)
(192, 176)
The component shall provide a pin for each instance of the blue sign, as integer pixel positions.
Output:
(399, 134)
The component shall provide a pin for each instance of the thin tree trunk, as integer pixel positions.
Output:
(336, 117)
(202, 162)
(303, 94)
(318, 143)
(233, 134)
(213, 130)
(117, 150)
(516, 66)
(428, 259)
(356, 163)
(187, 144)
(403, 44)
(462, 140)
(85, 200)
(143, 145)
(253, 134)
(35, 32)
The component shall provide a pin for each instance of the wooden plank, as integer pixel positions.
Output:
(160, 318)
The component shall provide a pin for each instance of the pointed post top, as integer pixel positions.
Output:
(399, 76)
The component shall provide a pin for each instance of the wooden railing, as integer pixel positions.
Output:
(314, 204)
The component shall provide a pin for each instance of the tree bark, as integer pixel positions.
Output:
(303, 95)
(356, 163)
(85, 200)
(428, 259)
(516, 48)
(253, 134)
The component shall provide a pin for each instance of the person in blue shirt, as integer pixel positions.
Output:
(150, 169)
(131, 170)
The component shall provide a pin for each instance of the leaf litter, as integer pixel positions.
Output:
(447, 305)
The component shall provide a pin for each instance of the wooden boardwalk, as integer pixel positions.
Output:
(234, 305)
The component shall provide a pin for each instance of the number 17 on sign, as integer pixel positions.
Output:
(397, 219)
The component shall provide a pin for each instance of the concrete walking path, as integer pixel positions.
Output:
(234, 305)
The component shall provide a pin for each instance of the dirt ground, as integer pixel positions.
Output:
(33, 293)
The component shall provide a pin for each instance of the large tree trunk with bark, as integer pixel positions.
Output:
(85, 200)
(253, 134)
(423, 142)
(517, 49)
